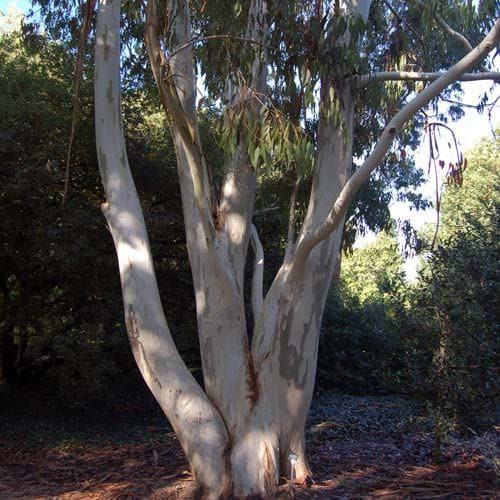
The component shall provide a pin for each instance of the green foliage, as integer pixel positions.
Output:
(61, 315)
(306, 42)
(436, 339)
(474, 205)
(42, 81)
(374, 273)
(272, 142)
(360, 346)
(451, 338)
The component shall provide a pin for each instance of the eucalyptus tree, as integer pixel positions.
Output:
(271, 72)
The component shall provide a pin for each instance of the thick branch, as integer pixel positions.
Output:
(176, 85)
(238, 189)
(385, 76)
(257, 30)
(177, 96)
(236, 208)
(340, 206)
(334, 150)
(258, 274)
(198, 425)
(361, 7)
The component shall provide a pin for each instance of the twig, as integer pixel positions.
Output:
(84, 33)
(193, 41)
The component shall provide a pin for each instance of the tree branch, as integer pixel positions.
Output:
(258, 274)
(455, 34)
(385, 76)
(265, 211)
(448, 29)
(176, 94)
(291, 222)
(239, 184)
(404, 21)
(88, 13)
(341, 204)
(199, 39)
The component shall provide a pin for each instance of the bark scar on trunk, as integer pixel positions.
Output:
(132, 328)
(136, 345)
(270, 473)
(218, 215)
(150, 370)
(227, 488)
(251, 377)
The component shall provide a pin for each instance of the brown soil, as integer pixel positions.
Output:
(151, 465)
(126, 471)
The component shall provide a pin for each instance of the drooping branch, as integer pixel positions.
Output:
(201, 39)
(198, 425)
(258, 273)
(385, 76)
(448, 29)
(341, 204)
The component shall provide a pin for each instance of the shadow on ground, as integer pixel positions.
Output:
(364, 447)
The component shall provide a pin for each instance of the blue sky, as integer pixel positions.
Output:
(22, 5)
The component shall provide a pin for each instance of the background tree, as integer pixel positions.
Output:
(374, 272)
(361, 348)
(451, 339)
(56, 333)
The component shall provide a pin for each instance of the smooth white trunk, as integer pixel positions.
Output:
(198, 426)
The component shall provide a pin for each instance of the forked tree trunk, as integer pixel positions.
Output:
(239, 433)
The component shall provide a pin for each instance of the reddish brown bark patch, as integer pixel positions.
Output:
(251, 376)
(270, 472)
